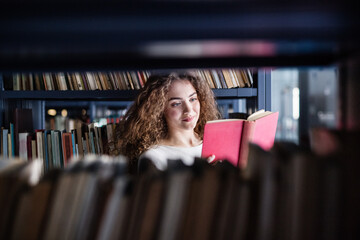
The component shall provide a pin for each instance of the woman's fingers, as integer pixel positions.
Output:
(211, 158)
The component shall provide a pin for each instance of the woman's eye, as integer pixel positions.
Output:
(175, 104)
(193, 99)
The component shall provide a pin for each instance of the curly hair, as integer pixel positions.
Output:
(144, 125)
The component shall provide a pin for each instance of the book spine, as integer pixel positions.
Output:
(248, 131)
(31, 82)
(33, 149)
(140, 77)
(12, 134)
(9, 146)
(16, 82)
(62, 81)
(68, 81)
(245, 79)
(39, 145)
(73, 143)
(79, 83)
(87, 143)
(85, 81)
(79, 140)
(37, 82)
(5, 143)
(53, 149)
(103, 81)
(250, 76)
(46, 159)
(233, 78)
(1, 143)
(23, 149)
(59, 148)
(23, 81)
(112, 80)
(123, 80)
(135, 79)
(47, 81)
(91, 142)
(128, 76)
(55, 81)
(91, 80)
(119, 80)
(72, 78)
(239, 78)
(209, 78)
(225, 78)
(97, 81)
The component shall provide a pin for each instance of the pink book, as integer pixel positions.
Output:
(228, 139)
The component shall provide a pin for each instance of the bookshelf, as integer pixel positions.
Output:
(153, 35)
(112, 94)
(173, 35)
(121, 36)
(146, 34)
(91, 98)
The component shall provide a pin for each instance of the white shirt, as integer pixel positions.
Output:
(160, 154)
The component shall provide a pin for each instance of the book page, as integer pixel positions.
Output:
(258, 114)
(255, 114)
(225, 120)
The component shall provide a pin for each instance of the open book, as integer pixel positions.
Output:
(228, 139)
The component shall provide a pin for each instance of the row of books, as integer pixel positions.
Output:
(227, 78)
(285, 193)
(76, 81)
(56, 148)
(123, 80)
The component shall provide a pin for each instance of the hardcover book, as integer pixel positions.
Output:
(4, 143)
(228, 139)
(22, 122)
(23, 148)
(67, 146)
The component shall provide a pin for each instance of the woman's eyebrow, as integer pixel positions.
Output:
(179, 98)
(194, 93)
(175, 98)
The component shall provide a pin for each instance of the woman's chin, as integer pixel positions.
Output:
(190, 126)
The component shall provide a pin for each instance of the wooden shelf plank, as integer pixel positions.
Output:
(112, 94)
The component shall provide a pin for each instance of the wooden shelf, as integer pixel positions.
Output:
(112, 94)
(235, 93)
(142, 35)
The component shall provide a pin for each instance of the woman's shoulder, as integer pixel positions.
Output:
(160, 154)
(153, 151)
(166, 149)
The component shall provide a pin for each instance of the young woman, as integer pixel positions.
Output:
(166, 121)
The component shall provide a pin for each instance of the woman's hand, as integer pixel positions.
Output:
(211, 160)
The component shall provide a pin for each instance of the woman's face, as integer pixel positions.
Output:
(183, 107)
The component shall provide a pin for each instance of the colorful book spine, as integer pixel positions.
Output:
(12, 132)
(73, 143)
(5, 133)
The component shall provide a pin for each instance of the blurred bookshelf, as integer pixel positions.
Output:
(316, 185)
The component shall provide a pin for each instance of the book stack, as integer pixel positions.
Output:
(284, 193)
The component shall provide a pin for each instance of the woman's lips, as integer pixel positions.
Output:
(188, 119)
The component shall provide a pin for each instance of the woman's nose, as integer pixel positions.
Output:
(187, 107)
